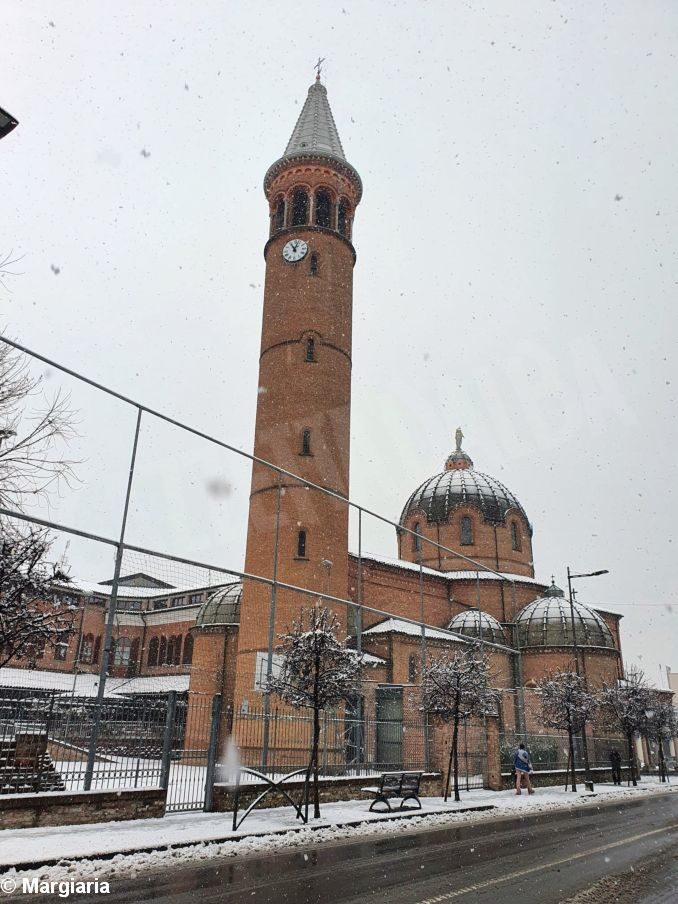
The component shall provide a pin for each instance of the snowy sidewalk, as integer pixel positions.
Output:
(187, 836)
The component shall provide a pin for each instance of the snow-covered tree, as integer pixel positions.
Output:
(456, 686)
(33, 614)
(627, 702)
(660, 725)
(567, 704)
(317, 671)
(31, 463)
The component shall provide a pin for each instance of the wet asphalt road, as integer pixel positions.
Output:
(544, 858)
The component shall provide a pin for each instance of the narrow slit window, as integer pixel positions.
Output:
(306, 442)
(466, 531)
(417, 537)
(342, 218)
(412, 669)
(515, 536)
(280, 214)
(323, 209)
(301, 544)
(310, 348)
(313, 265)
(299, 208)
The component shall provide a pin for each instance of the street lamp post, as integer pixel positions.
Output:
(588, 778)
(7, 123)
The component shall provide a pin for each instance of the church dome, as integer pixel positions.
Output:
(547, 622)
(221, 608)
(468, 623)
(460, 484)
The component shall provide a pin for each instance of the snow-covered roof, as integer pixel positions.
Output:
(85, 685)
(370, 659)
(399, 626)
(465, 575)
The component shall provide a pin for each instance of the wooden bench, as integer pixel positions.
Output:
(403, 785)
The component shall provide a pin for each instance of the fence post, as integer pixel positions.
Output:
(212, 752)
(167, 740)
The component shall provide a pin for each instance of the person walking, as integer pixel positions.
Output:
(523, 767)
(615, 763)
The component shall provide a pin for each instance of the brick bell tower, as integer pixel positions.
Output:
(304, 392)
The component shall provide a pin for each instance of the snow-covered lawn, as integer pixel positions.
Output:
(184, 837)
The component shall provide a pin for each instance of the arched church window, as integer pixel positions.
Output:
(310, 348)
(123, 648)
(177, 650)
(97, 650)
(417, 537)
(466, 531)
(299, 208)
(153, 651)
(133, 657)
(313, 265)
(301, 544)
(515, 536)
(412, 668)
(342, 217)
(280, 213)
(306, 442)
(188, 649)
(323, 209)
(162, 652)
(87, 648)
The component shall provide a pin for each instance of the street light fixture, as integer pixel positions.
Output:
(7, 123)
(588, 778)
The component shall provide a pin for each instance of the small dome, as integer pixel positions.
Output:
(547, 622)
(467, 623)
(222, 607)
(460, 484)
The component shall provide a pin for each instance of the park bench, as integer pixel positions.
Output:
(403, 785)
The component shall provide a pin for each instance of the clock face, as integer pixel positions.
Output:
(295, 250)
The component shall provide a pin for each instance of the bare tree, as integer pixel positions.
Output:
(33, 613)
(567, 704)
(5, 263)
(660, 725)
(627, 702)
(31, 462)
(316, 672)
(456, 686)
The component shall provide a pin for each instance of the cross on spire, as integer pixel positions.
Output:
(319, 68)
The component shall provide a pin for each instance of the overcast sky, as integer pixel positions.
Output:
(516, 269)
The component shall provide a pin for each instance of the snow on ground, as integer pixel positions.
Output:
(138, 845)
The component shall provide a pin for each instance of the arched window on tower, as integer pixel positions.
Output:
(313, 265)
(417, 537)
(342, 217)
(515, 535)
(323, 209)
(306, 441)
(188, 649)
(153, 651)
(279, 219)
(466, 531)
(162, 652)
(299, 208)
(123, 648)
(310, 348)
(301, 544)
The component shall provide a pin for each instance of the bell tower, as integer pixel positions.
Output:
(304, 392)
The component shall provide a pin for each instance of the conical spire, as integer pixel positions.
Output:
(315, 131)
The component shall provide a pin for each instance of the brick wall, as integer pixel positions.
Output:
(22, 811)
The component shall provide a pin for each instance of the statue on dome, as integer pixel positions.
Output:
(458, 436)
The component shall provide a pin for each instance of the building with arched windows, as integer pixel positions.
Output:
(464, 563)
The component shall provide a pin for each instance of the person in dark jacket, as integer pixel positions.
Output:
(615, 763)
(523, 767)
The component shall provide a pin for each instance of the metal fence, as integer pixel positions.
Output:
(140, 743)
(550, 752)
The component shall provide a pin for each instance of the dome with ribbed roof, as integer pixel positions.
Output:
(473, 623)
(221, 608)
(547, 622)
(460, 484)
